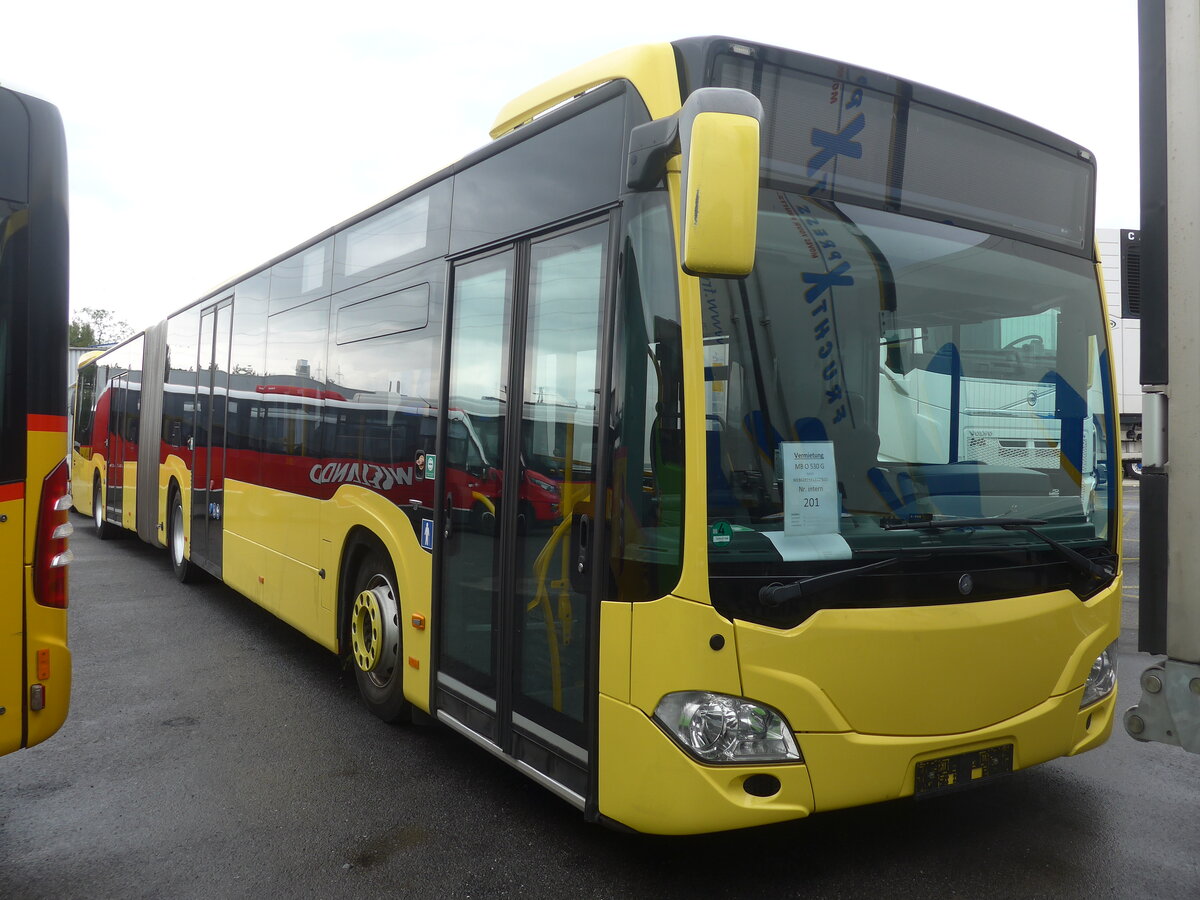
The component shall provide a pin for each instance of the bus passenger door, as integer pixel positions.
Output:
(516, 657)
(114, 499)
(208, 457)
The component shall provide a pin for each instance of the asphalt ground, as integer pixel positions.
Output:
(212, 751)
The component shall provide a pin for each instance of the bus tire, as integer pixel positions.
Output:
(1133, 469)
(104, 531)
(185, 571)
(375, 639)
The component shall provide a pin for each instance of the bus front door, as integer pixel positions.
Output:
(208, 457)
(515, 586)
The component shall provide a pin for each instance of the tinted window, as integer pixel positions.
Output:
(12, 345)
(247, 362)
(383, 411)
(404, 310)
(123, 372)
(870, 143)
(14, 148)
(295, 379)
(412, 231)
(384, 380)
(572, 167)
(302, 277)
(180, 388)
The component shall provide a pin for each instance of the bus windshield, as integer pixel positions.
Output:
(877, 370)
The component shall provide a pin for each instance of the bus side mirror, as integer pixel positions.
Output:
(718, 216)
(716, 134)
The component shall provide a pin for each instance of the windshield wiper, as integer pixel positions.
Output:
(775, 593)
(1029, 526)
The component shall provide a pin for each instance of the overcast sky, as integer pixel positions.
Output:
(204, 139)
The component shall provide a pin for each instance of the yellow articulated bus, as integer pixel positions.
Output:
(35, 664)
(809, 499)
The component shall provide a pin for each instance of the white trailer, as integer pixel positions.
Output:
(1120, 257)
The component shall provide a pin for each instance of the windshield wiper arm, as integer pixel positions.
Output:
(1029, 526)
(775, 593)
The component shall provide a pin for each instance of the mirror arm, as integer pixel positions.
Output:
(650, 146)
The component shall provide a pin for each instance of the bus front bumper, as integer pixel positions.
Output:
(648, 783)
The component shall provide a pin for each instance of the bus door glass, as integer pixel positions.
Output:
(208, 470)
(469, 553)
(118, 414)
(515, 589)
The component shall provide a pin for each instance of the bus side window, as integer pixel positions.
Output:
(383, 356)
(646, 420)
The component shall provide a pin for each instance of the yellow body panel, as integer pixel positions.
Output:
(855, 769)
(12, 624)
(650, 67)
(693, 582)
(243, 565)
(926, 670)
(129, 495)
(46, 629)
(268, 550)
(616, 628)
(289, 590)
(670, 651)
(647, 783)
(285, 522)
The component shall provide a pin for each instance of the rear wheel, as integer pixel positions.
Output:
(184, 570)
(375, 642)
(103, 530)
(1133, 469)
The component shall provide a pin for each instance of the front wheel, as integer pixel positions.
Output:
(185, 570)
(375, 641)
(1133, 469)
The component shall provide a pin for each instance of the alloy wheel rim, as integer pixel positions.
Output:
(375, 631)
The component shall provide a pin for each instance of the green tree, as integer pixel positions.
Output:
(91, 326)
(81, 333)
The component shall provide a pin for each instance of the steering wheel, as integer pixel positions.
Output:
(1032, 338)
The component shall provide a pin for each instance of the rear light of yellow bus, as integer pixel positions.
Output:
(52, 554)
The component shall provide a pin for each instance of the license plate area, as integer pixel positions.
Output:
(949, 773)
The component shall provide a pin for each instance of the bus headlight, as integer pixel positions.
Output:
(1103, 677)
(717, 728)
(548, 486)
